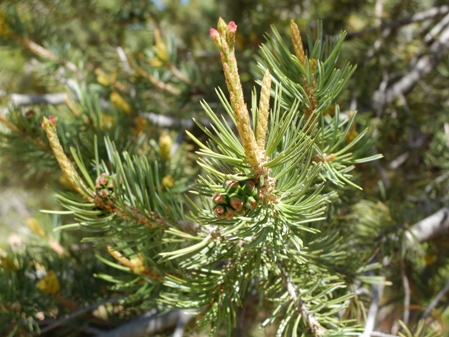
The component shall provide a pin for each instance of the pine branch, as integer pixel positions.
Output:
(36, 141)
(66, 165)
(153, 80)
(381, 334)
(161, 121)
(45, 53)
(406, 285)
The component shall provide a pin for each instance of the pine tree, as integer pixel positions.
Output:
(266, 217)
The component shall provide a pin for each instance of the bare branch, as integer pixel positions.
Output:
(152, 322)
(122, 55)
(78, 313)
(425, 64)
(406, 284)
(418, 17)
(381, 334)
(168, 122)
(372, 311)
(435, 301)
(60, 98)
(23, 100)
(429, 227)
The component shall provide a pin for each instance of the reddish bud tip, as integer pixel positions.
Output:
(52, 119)
(232, 27)
(213, 33)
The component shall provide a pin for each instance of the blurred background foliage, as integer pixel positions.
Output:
(142, 59)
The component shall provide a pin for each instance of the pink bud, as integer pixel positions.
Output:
(52, 119)
(232, 27)
(214, 33)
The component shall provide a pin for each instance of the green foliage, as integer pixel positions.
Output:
(282, 246)
(175, 223)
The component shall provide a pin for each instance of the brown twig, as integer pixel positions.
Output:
(45, 53)
(78, 313)
(158, 84)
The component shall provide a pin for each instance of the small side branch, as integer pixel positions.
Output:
(151, 323)
(435, 301)
(430, 227)
(300, 305)
(418, 17)
(372, 311)
(80, 312)
(421, 68)
(405, 282)
(24, 100)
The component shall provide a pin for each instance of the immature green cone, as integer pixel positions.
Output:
(231, 186)
(220, 198)
(248, 187)
(236, 201)
(220, 210)
(229, 213)
(251, 203)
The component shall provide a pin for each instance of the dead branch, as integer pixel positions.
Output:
(152, 322)
(425, 64)
(430, 227)
(418, 17)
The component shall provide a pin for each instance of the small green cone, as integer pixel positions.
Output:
(248, 187)
(231, 186)
(236, 201)
(220, 198)
(229, 213)
(251, 203)
(220, 211)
